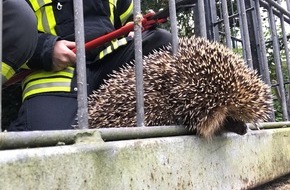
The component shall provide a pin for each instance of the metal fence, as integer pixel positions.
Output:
(257, 29)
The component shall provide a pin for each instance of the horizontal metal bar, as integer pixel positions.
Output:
(232, 37)
(185, 162)
(266, 6)
(231, 16)
(269, 125)
(278, 7)
(14, 140)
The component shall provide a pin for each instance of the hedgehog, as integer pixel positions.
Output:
(205, 87)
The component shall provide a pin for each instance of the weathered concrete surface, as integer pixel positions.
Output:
(185, 162)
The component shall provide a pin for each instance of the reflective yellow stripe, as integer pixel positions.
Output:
(45, 16)
(114, 45)
(24, 66)
(112, 4)
(41, 83)
(101, 55)
(7, 72)
(50, 88)
(126, 14)
(68, 72)
(36, 4)
(44, 81)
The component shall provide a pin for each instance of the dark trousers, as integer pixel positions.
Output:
(58, 110)
(19, 32)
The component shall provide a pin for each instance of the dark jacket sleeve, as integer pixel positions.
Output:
(124, 11)
(42, 57)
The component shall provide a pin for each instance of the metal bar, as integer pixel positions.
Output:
(264, 67)
(13, 140)
(220, 16)
(232, 16)
(17, 140)
(213, 17)
(139, 63)
(1, 29)
(270, 125)
(286, 50)
(288, 4)
(279, 7)
(202, 22)
(173, 26)
(81, 65)
(279, 73)
(208, 20)
(277, 13)
(232, 37)
(187, 162)
(246, 39)
(226, 23)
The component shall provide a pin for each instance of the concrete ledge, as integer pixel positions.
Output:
(185, 162)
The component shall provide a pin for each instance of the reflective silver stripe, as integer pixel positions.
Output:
(68, 72)
(47, 85)
(36, 4)
(45, 16)
(114, 45)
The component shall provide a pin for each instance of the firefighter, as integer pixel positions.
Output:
(50, 93)
(19, 36)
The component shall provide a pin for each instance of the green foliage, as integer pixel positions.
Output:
(184, 16)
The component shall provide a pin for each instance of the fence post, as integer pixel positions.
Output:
(139, 63)
(225, 14)
(173, 25)
(276, 51)
(1, 29)
(81, 65)
(245, 33)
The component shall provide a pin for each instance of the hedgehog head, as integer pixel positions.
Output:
(221, 88)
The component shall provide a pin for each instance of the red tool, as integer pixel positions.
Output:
(148, 21)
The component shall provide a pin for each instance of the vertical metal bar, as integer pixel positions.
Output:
(139, 63)
(213, 17)
(279, 73)
(246, 39)
(173, 25)
(220, 27)
(1, 29)
(234, 31)
(285, 42)
(264, 67)
(81, 65)
(276, 12)
(202, 23)
(279, 8)
(226, 23)
(288, 4)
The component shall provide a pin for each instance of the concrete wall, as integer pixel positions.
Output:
(184, 162)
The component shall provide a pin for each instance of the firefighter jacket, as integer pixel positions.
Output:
(19, 36)
(55, 22)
